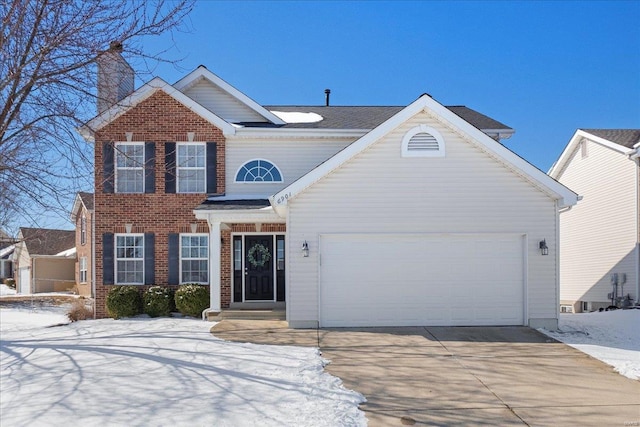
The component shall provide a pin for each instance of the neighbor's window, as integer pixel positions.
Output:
(83, 269)
(259, 170)
(194, 258)
(130, 259)
(83, 229)
(129, 167)
(190, 168)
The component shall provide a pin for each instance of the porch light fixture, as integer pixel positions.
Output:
(305, 249)
(544, 249)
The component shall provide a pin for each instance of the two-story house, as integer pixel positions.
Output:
(369, 215)
(599, 238)
(82, 217)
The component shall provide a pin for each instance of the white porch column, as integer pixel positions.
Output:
(214, 265)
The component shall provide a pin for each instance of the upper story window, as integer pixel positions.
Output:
(259, 170)
(423, 141)
(83, 229)
(190, 168)
(129, 167)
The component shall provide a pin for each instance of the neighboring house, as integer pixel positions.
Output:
(45, 260)
(346, 216)
(599, 251)
(82, 217)
(6, 256)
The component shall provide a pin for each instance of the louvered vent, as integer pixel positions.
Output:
(423, 142)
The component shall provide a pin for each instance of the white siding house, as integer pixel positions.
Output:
(599, 253)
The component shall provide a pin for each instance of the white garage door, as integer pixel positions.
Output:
(410, 280)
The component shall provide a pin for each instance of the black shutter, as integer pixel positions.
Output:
(174, 258)
(149, 259)
(108, 177)
(212, 168)
(150, 167)
(170, 167)
(107, 259)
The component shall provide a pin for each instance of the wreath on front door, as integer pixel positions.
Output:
(258, 255)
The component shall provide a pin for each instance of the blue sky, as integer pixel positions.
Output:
(543, 68)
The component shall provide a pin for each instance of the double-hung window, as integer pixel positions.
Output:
(83, 269)
(130, 259)
(83, 229)
(129, 167)
(190, 167)
(194, 258)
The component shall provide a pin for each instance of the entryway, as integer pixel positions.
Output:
(258, 270)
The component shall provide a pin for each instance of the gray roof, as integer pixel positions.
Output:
(229, 205)
(87, 199)
(367, 117)
(625, 137)
(44, 241)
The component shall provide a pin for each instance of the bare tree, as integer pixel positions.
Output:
(48, 50)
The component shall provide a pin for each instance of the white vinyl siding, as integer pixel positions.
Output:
(129, 167)
(378, 191)
(598, 235)
(294, 158)
(221, 103)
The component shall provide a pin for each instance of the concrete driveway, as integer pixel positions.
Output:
(461, 376)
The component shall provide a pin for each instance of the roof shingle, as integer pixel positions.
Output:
(43, 241)
(625, 137)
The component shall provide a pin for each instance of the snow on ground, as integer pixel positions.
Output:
(610, 336)
(5, 290)
(160, 372)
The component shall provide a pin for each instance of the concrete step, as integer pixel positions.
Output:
(256, 314)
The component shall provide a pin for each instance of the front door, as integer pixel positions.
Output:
(258, 271)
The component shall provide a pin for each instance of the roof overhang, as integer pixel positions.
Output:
(295, 133)
(425, 103)
(88, 130)
(239, 216)
(574, 142)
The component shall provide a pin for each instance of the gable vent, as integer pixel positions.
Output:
(423, 142)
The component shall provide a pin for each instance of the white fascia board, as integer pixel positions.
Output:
(77, 203)
(273, 133)
(425, 103)
(203, 72)
(240, 216)
(575, 140)
(145, 92)
(501, 133)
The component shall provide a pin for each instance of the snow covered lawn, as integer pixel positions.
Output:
(610, 336)
(160, 372)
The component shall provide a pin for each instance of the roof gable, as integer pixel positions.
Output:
(448, 118)
(43, 241)
(82, 199)
(624, 141)
(144, 92)
(225, 94)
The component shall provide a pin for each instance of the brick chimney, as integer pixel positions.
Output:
(115, 77)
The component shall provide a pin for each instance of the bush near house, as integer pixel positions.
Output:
(10, 283)
(123, 301)
(79, 311)
(158, 301)
(192, 299)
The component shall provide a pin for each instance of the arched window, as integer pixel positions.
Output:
(258, 170)
(422, 141)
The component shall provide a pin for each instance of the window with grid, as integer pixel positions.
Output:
(130, 259)
(129, 168)
(259, 170)
(83, 269)
(194, 258)
(190, 168)
(83, 230)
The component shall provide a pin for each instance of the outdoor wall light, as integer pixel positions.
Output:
(544, 249)
(305, 249)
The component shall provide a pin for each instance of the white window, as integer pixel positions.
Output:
(83, 269)
(423, 141)
(190, 168)
(130, 259)
(258, 170)
(83, 229)
(194, 258)
(129, 166)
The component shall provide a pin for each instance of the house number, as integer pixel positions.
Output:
(283, 198)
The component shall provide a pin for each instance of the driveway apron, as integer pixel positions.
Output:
(462, 376)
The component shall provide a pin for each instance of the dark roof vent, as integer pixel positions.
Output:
(327, 92)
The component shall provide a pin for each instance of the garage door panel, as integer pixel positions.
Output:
(405, 280)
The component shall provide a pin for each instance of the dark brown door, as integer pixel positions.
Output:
(258, 280)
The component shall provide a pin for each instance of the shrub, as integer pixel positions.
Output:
(192, 299)
(79, 311)
(123, 301)
(157, 301)
(10, 283)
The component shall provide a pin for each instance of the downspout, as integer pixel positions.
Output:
(636, 158)
(93, 258)
(558, 264)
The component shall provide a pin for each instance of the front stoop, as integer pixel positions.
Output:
(248, 314)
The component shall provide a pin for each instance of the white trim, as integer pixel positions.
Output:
(406, 140)
(88, 130)
(115, 165)
(235, 176)
(203, 73)
(274, 235)
(558, 167)
(115, 258)
(240, 216)
(203, 168)
(425, 103)
(297, 133)
(180, 235)
(80, 270)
